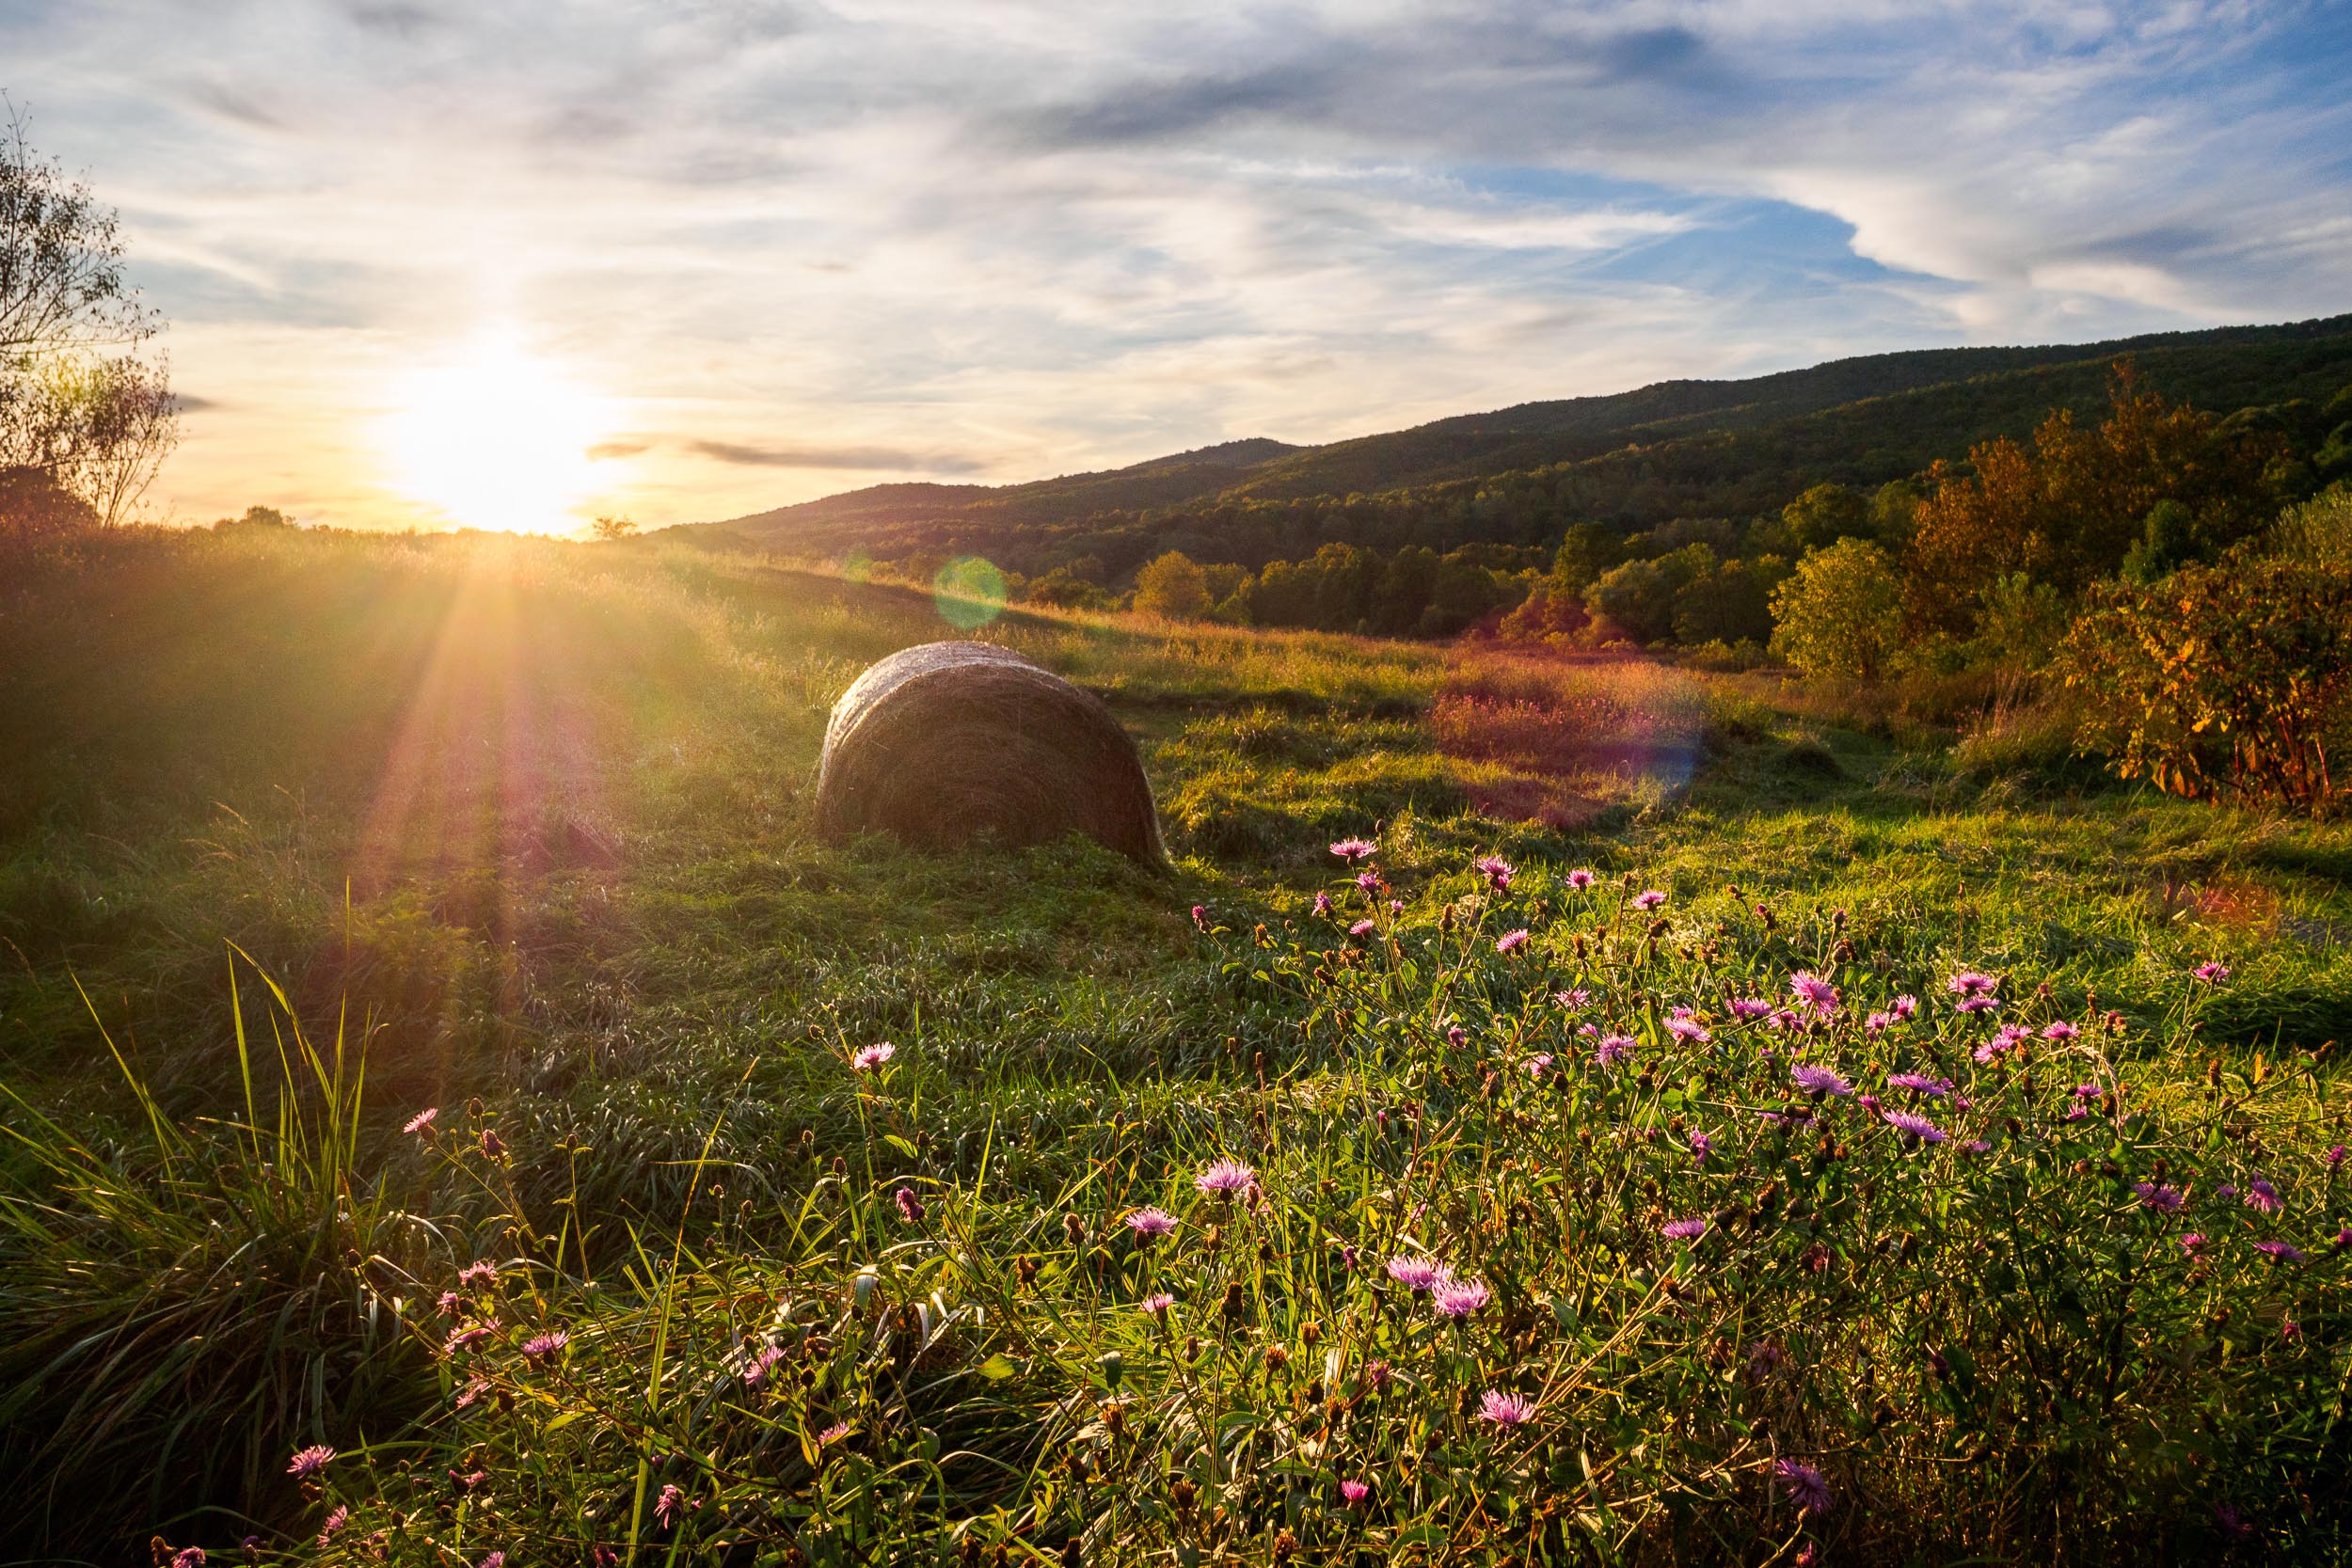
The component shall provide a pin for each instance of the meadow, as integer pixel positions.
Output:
(431, 1034)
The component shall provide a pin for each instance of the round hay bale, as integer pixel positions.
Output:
(942, 742)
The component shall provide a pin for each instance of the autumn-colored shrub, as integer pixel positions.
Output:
(2232, 680)
(2070, 509)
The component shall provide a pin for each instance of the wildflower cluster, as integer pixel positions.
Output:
(1568, 1219)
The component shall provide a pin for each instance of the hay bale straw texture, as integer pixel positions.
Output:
(942, 742)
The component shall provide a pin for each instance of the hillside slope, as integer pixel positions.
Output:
(1701, 447)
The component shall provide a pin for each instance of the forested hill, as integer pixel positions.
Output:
(1638, 458)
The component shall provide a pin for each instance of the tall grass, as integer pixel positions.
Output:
(187, 1302)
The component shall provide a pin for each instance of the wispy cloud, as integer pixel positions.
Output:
(862, 459)
(1004, 238)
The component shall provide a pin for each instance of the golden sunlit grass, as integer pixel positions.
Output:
(497, 438)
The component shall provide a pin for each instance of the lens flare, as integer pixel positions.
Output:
(969, 593)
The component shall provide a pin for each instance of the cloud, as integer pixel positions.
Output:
(866, 459)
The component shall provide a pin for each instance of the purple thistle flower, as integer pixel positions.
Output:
(1818, 1080)
(1683, 1230)
(1511, 942)
(1612, 1049)
(1226, 1177)
(2262, 1195)
(1919, 1083)
(480, 1271)
(335, 1521)
(666, 1507)
(1818, 994)
(1806, 1487)
(467, 1338)
(421, 1120)
(496, 1560)
(2192, 1243)
(2061, 1029)
(1878, 1023)
(1539, 1064)
(539, 1347)
(2211, 974)
(1201, 917)
(1369, 882)
(1905, 1006)
(447, 1303)
(910, 1207)
(763, 1361)
(1353, 1492)
(833, 1434)
(1916, 1127)
(1363, 928)
(872, 1056)
(1158, 1303)
(1498, 871)
(1979, 1004)
(1748, 1009)
(308, 1462)
(1572, 998)
(1685, 1027)
(1970, 983)
(2158, 1198)
(1649, 899)
(188, 1557)
(2335, 1157)
(1868, 1103)
(1355, 849)
(1504, 1410)
(1458, 1298)
(2343, 1239)
(2279, 1250)
(1151, 1223)
(1417, 1275)
(1701, 1146)
(1579, 879)
(1322, 903)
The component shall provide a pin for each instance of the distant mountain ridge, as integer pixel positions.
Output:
(1862, 418)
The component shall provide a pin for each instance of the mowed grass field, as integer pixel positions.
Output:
(304, 836)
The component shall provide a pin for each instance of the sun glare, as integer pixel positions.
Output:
(497, 439)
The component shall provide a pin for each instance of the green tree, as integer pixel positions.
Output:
(1823, 515)
(1588, 550)
(611, 530)
(1840, 612)
(77, 403)
(1635, 599)
(1895, 511)
(1172, 585)
(1731, 603)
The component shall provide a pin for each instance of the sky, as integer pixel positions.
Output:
(432, 263)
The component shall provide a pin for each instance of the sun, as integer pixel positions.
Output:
(497, 438)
